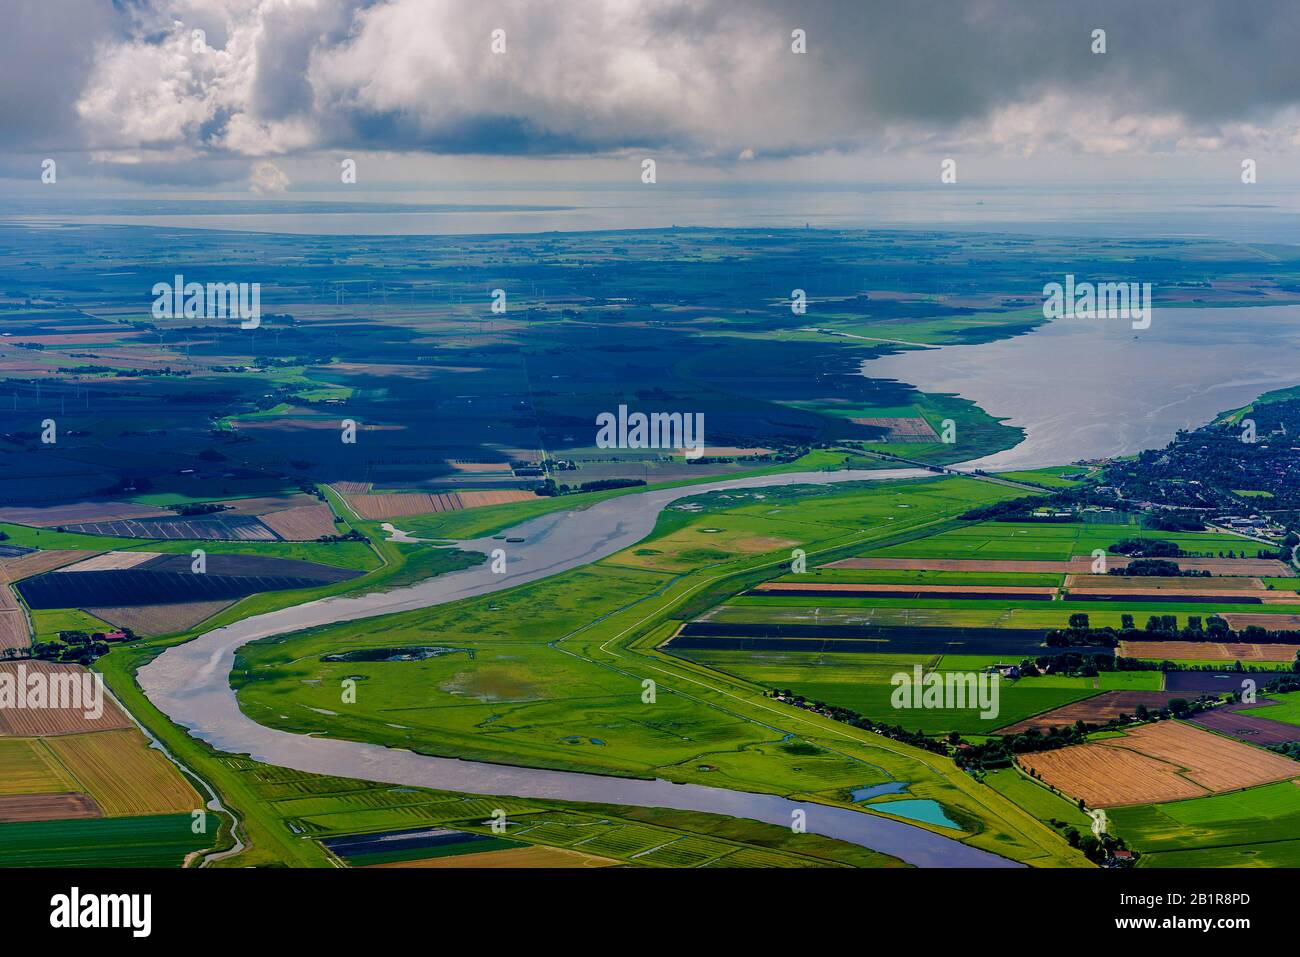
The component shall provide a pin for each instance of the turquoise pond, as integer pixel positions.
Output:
(876, 790)
(917, 809)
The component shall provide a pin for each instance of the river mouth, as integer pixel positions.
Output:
(1095, 388)
(190, 684)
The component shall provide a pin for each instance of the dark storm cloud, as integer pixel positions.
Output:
(710, 78)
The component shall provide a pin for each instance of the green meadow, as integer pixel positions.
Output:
(1258, 827)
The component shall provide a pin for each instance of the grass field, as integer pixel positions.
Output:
(48, 624)
(1036, 798)
(1052, 542)
(1287, 708)
(160, 840)
(862, 683)
(1253, 828)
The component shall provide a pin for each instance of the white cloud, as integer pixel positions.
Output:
(266, 177)
(704, 80)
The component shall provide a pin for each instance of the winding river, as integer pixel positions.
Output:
(190, 684)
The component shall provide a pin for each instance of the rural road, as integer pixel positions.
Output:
(190, 684)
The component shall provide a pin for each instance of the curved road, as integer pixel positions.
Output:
(190, 684)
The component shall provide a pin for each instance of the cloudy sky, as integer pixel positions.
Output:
(270, 95)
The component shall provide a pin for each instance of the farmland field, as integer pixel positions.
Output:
(1207, 651)
(1253, 728)
(533, 856)
(28, 767)
(861, 682)
(14, 630)
(1099, 709)
(1287, 708)
(47, 807)
(1157, 762)
(123, 774)
(166, 619)
(40, 721)
(166, 579)
(160, 840)
(1252, 828)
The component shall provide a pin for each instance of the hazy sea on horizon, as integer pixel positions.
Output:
(1269, 215)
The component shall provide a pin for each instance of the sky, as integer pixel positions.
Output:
(268, 97)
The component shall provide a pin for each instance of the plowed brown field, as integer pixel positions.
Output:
(1206, 651)
(1098, 709)
(151, 620)
(38, 722)
(47, 807)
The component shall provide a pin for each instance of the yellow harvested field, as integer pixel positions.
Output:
(495, 497)
(1164, 761)
(31, 722)
(124, 774)
(37, 563)
(537, 856)
(14, 630)
(382, 506)
(1272, 622)
(1145, 584)
(1106, 777)
(109, 562)
(1206, 651)
(28, 767)
(306, 523)
(500, 467)
(352, 488)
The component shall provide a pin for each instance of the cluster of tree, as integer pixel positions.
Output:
(1010, 510)
(1290, 749)
(83, 653)
(1097, 850)
(765, 457)
(198, 508)
(549, 488)
(1146, 548)
(1161, 628)
(352, 535)
(1156, 568)
(1283, 684)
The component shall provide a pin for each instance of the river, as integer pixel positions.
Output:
(190, 684)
